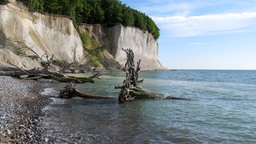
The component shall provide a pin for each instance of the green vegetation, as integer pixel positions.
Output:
(95, 56)
(60, 63)
(19, 50)
(84, 38)
(93, 50)
(3, 1)
(105, 12)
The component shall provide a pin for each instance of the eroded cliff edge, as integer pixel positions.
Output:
(143, 44)
(56, 35)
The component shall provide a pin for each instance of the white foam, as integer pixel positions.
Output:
(49, 91)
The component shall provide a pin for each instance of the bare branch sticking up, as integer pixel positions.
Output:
(132, 77)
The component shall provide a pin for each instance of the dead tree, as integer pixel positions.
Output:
(131, 89)
(131, 79)
(70, 91)
(46, 63)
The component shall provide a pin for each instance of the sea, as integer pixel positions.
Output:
(221, 109)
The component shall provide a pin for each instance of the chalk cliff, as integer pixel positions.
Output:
(55, 35)
(42, 33)
(118, 37)
(143, 44)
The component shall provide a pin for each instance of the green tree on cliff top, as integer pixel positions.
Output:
(106, 12)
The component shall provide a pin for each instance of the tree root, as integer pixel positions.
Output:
(70, 91)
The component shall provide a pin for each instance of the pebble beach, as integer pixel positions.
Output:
(21, 110)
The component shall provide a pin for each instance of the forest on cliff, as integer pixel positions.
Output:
(105, 12)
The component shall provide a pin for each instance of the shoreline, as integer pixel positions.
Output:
(21, 110)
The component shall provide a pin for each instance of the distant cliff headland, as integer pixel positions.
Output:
(88, 32)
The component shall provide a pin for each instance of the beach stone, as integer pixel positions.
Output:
(20, 111)
(9, 132)
(46, 140)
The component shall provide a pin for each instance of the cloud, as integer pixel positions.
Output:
(167, 8)
(185, 26)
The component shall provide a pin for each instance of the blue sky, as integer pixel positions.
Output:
(203, 34)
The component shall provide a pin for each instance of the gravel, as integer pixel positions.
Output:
(21, 110)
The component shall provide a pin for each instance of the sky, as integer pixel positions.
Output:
(203, 34)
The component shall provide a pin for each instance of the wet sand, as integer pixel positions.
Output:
(21, 110)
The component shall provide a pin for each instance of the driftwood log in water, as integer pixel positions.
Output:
(75, 79)
(132, 78)
(141, 93)
(70, 91)
(131, 89)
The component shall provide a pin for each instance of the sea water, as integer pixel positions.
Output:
(222, 109)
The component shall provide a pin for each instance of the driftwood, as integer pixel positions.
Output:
(131, 81)
(36, 74)
(140, 93)
(131, 89)
(70, 91)
(45, 60)
(75, 79)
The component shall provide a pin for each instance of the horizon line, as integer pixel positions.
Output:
(212, 69)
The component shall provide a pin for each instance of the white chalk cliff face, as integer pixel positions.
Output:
(55, 35)
(143, 44)
(43, 34)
